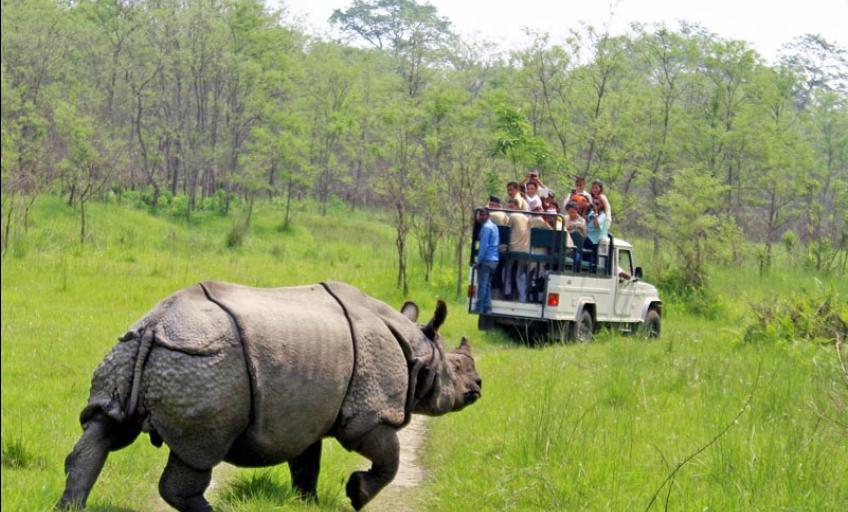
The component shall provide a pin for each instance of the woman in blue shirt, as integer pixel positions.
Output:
(596, 230)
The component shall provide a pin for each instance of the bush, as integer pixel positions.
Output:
(237, 234)
(699, 301)
(813, 316)
(179, 205)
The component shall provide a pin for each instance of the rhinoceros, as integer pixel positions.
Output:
(258, 376)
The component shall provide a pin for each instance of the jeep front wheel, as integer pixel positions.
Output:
(651, 327)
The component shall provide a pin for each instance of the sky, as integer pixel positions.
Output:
(765, 24)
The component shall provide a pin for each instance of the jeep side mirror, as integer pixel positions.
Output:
(638, 273)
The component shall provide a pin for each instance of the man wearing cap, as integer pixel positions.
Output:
(487, 261)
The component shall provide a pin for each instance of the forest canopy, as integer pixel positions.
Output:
(189, 105)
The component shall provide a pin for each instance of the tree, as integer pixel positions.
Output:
(330, 86)
(696, 222)
(822, 64)
(90, 157)
(668, 57)
(414, 33)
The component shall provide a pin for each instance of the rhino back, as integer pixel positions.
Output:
(300, 350)
(189, 322)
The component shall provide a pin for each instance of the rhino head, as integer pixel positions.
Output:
(446, 381)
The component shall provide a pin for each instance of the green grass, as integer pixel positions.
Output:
(564, 427)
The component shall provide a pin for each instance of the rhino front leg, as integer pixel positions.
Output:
(381, 447)
(304, 471)
(182, 486)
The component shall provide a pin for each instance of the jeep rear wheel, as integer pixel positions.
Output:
(584, 327)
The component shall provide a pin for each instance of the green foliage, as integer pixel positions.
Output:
(819, 315)
(676, 287)
(513, 140)
(179, 206)
(692, 216)
(790, 240)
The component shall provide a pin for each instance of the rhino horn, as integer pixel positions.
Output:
(438, 319)
(410, 310)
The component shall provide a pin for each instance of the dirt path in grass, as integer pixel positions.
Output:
(401, 495)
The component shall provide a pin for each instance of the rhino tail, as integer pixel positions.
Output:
(116, 385)
(144, 347)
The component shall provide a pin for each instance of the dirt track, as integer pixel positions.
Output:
(400, 495)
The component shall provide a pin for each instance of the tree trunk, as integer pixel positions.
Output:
(289, 187)
(400, 244)
(82, 222)
(8, 227)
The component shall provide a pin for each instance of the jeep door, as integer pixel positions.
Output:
(626, 304)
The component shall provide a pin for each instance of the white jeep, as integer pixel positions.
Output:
(563, 302)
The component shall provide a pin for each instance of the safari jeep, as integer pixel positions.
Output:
(556, 299)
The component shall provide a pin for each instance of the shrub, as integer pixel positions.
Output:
(698, 300)
(237, 234)
(813, 316)
(179, 205)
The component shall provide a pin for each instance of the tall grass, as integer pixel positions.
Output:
(560, 427)
(601, 427)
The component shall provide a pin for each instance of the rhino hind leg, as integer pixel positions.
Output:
(84, 463)
(304, 471)
(382, 448)
(182, 486)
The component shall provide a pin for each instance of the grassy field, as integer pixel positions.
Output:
(565, 427)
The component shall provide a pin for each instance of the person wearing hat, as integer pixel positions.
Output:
(487, 261)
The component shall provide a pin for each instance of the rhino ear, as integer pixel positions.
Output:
(464, 346)
(438, 319)
(410, 310)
